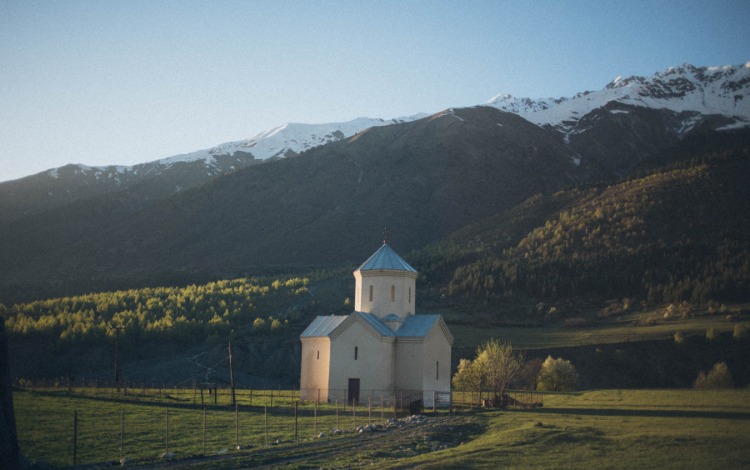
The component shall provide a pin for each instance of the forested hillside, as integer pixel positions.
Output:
(69, 335)
(677, 233)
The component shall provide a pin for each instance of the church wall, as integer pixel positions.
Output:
(314, 375)
(373, 365)
(382, 282)
(436, 364)
(409, 364)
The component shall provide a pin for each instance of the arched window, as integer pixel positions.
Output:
(409, 294)
(393, 293)
(356, 352)
(437, 370)
(318, 355)
(371, 289)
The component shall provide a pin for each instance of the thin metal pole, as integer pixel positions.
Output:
(337, 413)
(295, 421)
(231, 373)
(204, 431)
(369, 411)
(237, 426)
(166, 434)
(75, 438)
(122, 435)
(265, 412)
(354, 415)
(316, 419)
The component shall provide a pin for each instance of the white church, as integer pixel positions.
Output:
(382, 350)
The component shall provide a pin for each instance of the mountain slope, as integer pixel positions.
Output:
(152, 181)
(422, 180)
(678, 233)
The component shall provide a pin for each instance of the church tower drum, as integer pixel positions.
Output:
(385, 285)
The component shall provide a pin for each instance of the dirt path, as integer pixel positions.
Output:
(401, 438)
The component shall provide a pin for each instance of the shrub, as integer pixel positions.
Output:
(678, 338)
(740, 331)
(718, 377)
(711, 334)
(557, 375)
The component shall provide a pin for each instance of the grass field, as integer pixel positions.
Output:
(595, 429)
(613, 331)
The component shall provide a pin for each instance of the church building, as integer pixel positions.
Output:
(382, 350)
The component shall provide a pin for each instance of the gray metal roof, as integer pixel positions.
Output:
(417, 325)
(386, 258)
(323, 325)
(373, 321)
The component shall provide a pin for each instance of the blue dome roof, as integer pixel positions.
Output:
(386, 259)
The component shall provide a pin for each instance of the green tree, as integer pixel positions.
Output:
(495, 366)
(557, 375)
(718, 377)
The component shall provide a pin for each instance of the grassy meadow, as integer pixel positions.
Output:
(594, 429)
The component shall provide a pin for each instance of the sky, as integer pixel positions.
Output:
(102, 82)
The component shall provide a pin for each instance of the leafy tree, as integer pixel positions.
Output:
(718, 377)
(557, 375)
(495, 366)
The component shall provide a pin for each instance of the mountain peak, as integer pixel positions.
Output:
(723, 90)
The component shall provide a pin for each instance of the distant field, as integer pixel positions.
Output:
(595, 429)
(615, 331)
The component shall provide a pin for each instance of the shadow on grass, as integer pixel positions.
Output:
(644, 413)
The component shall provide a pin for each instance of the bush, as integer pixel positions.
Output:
(557, 375)
(711, 334)
(718, 377)
(679, 338)
(740, 331)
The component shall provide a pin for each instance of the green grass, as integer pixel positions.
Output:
(606, 332)
(610, 429)
(45, 424)
(594, 429)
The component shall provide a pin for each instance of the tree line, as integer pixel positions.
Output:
(180, 314)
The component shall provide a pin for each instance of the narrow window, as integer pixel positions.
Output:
(318, 354)
(437, 370)
(393, 293)
(356, 352)
(409, 294)
(370, 293)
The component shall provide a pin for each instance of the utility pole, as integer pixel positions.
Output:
(117, 356)
(231, 371)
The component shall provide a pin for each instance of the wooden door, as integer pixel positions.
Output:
(353, 393)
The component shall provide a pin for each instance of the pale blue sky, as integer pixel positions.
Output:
(122, 82)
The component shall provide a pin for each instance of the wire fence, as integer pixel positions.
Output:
(64, 424)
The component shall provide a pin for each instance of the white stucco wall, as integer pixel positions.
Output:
(314, 374)
(436, 358)
(404, 286)
(373, 366)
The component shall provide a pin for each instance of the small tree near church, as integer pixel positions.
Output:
(495, 367)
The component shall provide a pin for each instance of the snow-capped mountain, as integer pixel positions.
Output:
(288, 139)
(686, 89)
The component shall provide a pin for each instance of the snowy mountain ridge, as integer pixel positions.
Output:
(706, 90)
(287, 139)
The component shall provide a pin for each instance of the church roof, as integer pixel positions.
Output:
(323, 325)
(386, 259)
(414, 326)
(417, 325)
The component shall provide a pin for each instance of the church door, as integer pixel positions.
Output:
(353, 391)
